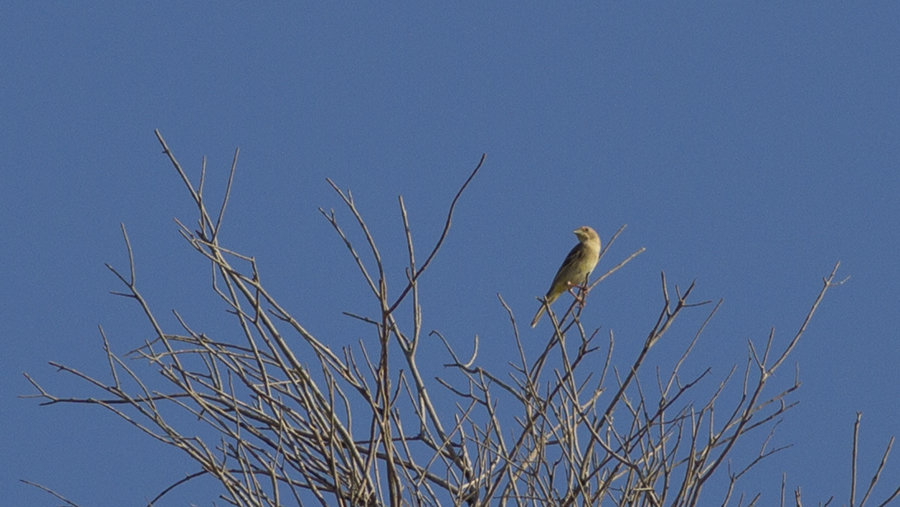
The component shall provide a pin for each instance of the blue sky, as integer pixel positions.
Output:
(747, 146)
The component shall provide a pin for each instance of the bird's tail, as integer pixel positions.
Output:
(538, 315)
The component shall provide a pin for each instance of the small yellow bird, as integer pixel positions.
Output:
(576, 269)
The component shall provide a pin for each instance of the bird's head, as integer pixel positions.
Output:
(585, 233)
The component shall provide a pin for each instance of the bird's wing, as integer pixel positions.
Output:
(574, 256)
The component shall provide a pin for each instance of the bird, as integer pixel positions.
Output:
(575, 270)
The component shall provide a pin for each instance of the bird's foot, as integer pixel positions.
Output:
(579, 296)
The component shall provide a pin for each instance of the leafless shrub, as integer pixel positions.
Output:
(363, 426)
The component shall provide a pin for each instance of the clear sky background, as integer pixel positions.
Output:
(747, 146)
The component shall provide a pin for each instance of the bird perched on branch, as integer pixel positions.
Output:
(575, 269)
